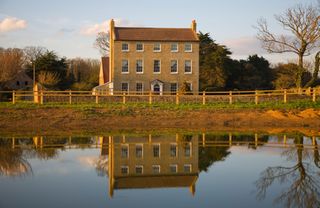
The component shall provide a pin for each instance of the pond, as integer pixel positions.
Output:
(161, 169)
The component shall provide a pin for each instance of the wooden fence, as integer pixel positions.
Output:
(231, 97)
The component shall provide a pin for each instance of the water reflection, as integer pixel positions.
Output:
(303, 178)
(162, 161)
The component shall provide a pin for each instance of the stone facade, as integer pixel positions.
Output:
(175, 66)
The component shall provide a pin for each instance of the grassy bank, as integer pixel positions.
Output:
(89, 117)
(299, 105)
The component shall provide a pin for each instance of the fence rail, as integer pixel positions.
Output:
(231, 97)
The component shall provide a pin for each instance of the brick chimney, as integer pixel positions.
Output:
(111, 26)
(194, 26)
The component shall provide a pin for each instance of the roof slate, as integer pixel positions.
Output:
(154, 34)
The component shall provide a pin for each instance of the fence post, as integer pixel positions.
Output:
(177, 98)
(285, 96)
(150, 97)
(70, 97)
(124, 98)
(97, 98)
(13, 97)
(230, 97)
(204, 98)
(41, 97)
(256, 140)
(256, 100)
(314, 94)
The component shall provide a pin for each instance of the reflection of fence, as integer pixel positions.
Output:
(257, 96)
(205, 140)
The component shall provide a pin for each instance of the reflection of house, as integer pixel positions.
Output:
(151, 59)
(20, 81)
(153, 162)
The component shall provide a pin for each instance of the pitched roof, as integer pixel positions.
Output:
(154, 34)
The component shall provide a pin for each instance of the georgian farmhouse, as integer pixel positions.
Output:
(151, 59)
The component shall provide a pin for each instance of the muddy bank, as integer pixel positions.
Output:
(54, 120)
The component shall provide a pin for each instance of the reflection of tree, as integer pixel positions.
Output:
(303, 177)
(316, 156)
(13, 163)
(102, 165)
(211, 154)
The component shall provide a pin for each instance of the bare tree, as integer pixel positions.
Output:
(302, 178)
(31, 53)
(303, 24)
(11, 60)
(102, 43)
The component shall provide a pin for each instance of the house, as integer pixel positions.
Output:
(20, 81)
(140, 162)
(152, 59)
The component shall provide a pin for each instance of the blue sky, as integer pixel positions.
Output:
(69, 26)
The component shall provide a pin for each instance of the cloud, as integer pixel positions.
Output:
(94, 29)
(11, 24)
(244, 46)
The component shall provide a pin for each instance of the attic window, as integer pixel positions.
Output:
(26, 83)
(18, 83)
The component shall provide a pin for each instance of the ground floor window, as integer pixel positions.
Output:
(125, 86)
(156, 150)
(139, 87)
(173, 87)
(124, 170)
(156, 169)
(173, 168)
(187, 168)
(173, 150)
(139, 169)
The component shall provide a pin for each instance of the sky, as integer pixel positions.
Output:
(69, 27)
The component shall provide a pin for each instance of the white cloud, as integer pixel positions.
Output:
(244, 46)
(94, 29)
(12, 23)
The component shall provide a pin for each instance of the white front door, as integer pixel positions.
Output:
(157, 88)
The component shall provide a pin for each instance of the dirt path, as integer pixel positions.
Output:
(52, 120)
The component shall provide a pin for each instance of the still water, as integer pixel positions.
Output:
(160, 170)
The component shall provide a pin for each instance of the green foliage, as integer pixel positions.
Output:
(212, 63)
(84, 73)
(255, 73)
(50, 70)
(285, 76)
(184, 88)
(209, 155)
(219, 72)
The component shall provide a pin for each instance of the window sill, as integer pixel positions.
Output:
(124, 72)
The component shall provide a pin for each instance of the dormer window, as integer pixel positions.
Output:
(125, 47)
(139, 47)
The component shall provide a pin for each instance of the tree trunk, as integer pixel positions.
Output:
(315, 71)
(300, 71)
